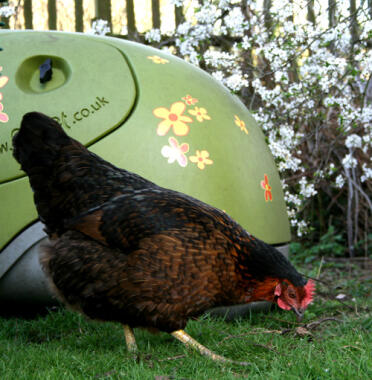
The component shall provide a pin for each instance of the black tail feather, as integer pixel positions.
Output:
(38, 141)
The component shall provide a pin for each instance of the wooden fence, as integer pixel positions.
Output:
(25, 14)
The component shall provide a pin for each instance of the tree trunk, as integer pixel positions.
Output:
(52, 15)
(79, 24)
(27, 13)
(155, 6)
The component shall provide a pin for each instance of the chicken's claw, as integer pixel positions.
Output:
(191, 342)
(130, 339)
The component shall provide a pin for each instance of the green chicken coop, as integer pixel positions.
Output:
(141, 109)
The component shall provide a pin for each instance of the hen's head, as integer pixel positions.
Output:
(296, 298)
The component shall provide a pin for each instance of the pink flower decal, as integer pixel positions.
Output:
(265, 185)
(4, 118)
(201, 159)
(240, 124)
(200, 114)
(175, 152)
(173, 118)
(189, 100)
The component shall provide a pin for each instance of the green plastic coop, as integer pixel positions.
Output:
(143, 110)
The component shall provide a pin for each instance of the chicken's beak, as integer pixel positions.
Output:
(299, 313)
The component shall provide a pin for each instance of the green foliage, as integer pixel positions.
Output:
(330, 244)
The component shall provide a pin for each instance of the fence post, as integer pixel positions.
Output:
(131, 20)
(52, 15)
(180, 18)
(103, 10)
(155, 6)
(27, 13)
(79, 25)
(310, 11)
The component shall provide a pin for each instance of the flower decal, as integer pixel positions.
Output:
(4, 118)
(173, 118)
(158, 60)
(200, 114)
(175, 152)
(265, 185)
(240, 124)
(201, 159)
(189, 100)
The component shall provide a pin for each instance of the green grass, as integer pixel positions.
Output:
(64, 345)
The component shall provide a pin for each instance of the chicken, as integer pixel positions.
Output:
(124, 249)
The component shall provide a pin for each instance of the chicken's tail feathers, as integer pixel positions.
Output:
(38, 139)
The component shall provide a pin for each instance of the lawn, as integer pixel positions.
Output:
(334, 341)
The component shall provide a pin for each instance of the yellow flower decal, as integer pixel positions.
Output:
(173, 118)
(201, 159)
(158, 60)
(200, 114)
(189, 100)
(240, 124)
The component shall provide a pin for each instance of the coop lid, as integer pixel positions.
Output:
(90, 91)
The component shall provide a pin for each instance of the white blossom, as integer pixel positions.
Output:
(367, 173)
(353, 141)
(306, 189)
(7, 11)
(236, 81)
(349, 161)
(340, 181)
(100, 27)
(153, 35)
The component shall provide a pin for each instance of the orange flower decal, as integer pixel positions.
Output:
(158, 60)
(200, 114)
(265, 185)
(240, 124)
(201, 159)
(173, 118)
(189, 100)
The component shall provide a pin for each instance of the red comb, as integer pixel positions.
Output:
(309, 293)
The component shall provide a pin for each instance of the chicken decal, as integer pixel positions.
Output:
(127, 250)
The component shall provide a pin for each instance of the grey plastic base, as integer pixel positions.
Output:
(22, 280)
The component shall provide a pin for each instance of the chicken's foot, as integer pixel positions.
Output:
(191, 342)
(130, 338)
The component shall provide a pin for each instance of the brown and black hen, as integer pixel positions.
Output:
(124, 249)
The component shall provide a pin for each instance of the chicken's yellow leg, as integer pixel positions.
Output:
(191, 342)
(130, 339)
